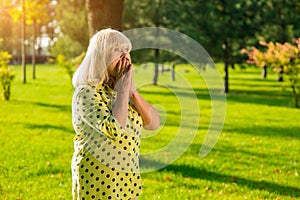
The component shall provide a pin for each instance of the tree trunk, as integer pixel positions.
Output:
(264, 72)
(295, 93)
(23, 48)
(280, 74)
(104, 14)
(226, 53)
(33, 48)
(226, 77)
(173, 72)
(155, 78)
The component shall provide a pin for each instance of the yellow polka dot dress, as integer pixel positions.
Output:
(105, 162)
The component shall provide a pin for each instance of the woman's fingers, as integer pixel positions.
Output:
(124, 75)
(123, 84)
(119, 68)
(124, 67)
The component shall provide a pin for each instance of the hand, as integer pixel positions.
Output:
(116, 69)
(122, 66)
(123, 85)
(125, 70)
(132, 88)
(124, 76)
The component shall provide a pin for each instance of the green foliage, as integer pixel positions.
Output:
(36, 10)
(221, 27)
(4, 58)
(66, 46)
(72, 19)
(284, 58)
(39, 19)
(6, 74)
(140, 14)
(70, 65)
(279, 20)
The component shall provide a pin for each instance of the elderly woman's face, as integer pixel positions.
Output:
(115, 56)
(118, 51)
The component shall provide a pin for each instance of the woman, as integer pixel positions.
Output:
(108, 114)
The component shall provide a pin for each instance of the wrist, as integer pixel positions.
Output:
(123, 93)
(133, 93)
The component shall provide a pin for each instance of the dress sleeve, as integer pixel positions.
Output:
(94, 110)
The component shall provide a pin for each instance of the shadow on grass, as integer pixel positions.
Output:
(261, 86)
(47, 127)
(196, 92)
(258, 96)
(67, 108)
(59, 107)
(188, 171)
(265, 131)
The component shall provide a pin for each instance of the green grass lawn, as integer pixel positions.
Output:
(256, 156)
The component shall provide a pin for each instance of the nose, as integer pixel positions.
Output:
(127, 55)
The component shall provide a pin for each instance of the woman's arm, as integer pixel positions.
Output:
(120, 108)
(149, 114)
(122, 85)
(125, 88)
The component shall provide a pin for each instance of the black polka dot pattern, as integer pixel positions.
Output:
(105, 162)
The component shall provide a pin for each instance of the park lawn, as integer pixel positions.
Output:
(256, 156)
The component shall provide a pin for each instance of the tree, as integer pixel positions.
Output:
(278, 22)
(104, 13)
(281, 19)
(140, 14)
(230, 25)
(223, 27)
(23, 41)
(283, 57)
(37, 14)
(34, 13)
(74, 37)
(18, 12)
(219, 26)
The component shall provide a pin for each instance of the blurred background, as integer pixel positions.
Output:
(48, 28)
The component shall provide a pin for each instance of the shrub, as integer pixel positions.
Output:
(6, 74)
(284, 58)
(70, 64)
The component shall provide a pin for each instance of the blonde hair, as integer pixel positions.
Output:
(93, 69)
